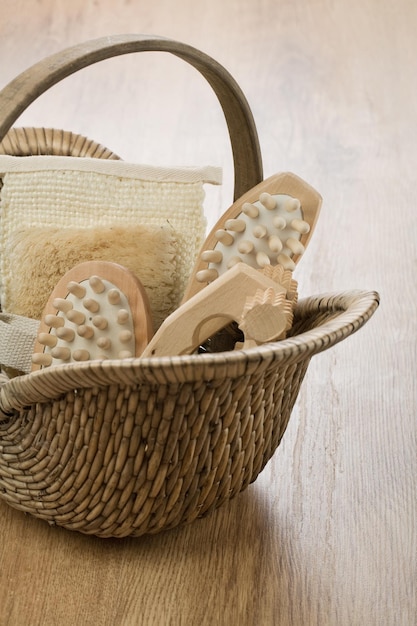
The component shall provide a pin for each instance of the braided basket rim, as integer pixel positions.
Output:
(35, 141)
(351, 310)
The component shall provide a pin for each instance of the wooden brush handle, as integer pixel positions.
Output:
(210, 310)
(31, 83)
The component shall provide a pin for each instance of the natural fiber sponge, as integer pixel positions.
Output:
(39, 257)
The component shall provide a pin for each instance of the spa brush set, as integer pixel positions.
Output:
(148, 370)
(243, 275)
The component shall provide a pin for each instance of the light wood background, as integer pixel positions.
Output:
(327, 534)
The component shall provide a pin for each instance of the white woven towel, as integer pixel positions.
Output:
(68, 192)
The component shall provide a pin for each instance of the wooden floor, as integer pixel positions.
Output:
(327, 534)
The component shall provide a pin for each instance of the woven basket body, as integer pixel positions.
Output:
(129, 459)
(128, 447)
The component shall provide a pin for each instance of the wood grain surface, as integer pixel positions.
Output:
(327, 534)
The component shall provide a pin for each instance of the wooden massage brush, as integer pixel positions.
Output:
(269, 225)
(243, 273)
(256, 301)
(98, 310)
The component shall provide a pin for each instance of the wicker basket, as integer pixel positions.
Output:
(135, 446)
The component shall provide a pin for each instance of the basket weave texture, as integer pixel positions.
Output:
(134, 446)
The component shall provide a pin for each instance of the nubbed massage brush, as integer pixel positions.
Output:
(269, 225)
(98, 310)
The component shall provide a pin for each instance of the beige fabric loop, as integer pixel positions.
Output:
(17, 339)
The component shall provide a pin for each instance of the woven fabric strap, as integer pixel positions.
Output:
(17, 340)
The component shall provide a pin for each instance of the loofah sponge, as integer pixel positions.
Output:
(41, 256)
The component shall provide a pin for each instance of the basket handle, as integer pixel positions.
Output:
(30, 84)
